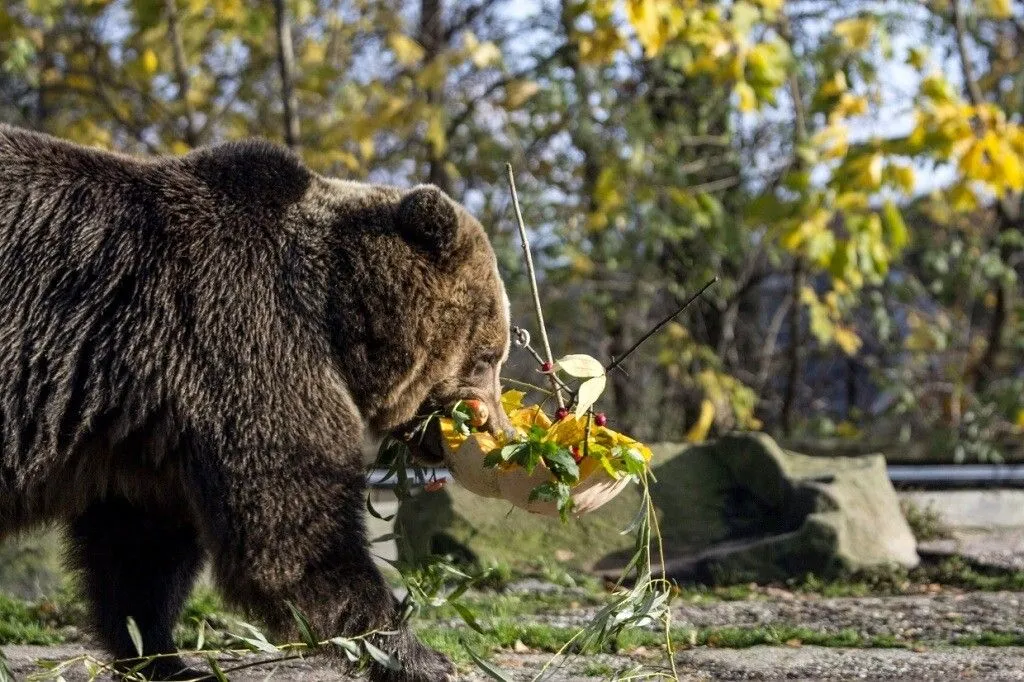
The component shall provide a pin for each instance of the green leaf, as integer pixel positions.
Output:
(581, 366)
(257, 641)
(562, 465)
(461, 418)
(633, 461)
(5, 671)
(201, 635)
(215, 668)
(896, 230)
(486, 667)
(309, 637)
(349, 646)
(467, 616)
(135, 635)
(374, 513)
(547, 492)
(384, 659)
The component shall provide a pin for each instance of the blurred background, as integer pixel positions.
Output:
(851, 170)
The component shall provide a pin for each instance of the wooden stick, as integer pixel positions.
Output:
(533, 287)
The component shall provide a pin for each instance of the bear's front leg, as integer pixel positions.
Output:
(290, 528)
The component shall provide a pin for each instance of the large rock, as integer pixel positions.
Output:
(740, 508)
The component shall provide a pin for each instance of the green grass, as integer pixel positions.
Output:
(32, 623)
(925, 522)
(597, 669)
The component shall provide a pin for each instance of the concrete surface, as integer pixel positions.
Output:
(998, 508)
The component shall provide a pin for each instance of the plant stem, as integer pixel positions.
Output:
(533, 286)
(654, 330)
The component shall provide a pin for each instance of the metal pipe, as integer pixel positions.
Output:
(929, 476)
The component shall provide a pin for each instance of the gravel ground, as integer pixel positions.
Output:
(942, 617)
(935, 618)
(932, 618)
(756, 663)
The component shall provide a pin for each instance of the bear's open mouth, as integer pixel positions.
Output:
(422, 435)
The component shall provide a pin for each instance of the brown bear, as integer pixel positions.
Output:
(193, 351)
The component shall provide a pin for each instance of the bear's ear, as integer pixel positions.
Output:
(428, 219)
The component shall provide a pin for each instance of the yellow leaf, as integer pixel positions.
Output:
(917, 57)
(995, 9)
(436, 133)
(643, 15)
(855, 33)
(834, 86)
(519, 91)
(655, 22)
(747, 96)
(771, 5)
(846, 339)
(512, 400)
(149, 62)
(846, 429)
(407, 51)
(699, 430)
(313, 53)
(485, 55)
(1020, 418)
(851, 105)
(528, 417)
(568, 431)
(903, 176)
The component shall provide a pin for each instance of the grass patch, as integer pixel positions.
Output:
(597, 669)
(511, 605)
(988, 638)
(41, 622)
(925, 523)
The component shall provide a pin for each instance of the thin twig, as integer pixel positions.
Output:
(970, 85)
(533, 286)
(654, 330)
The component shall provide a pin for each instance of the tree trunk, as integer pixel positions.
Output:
(432, 38)
(795, 349)
(181, 71)
(286, 65)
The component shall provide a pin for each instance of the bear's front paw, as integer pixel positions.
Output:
(419, 664)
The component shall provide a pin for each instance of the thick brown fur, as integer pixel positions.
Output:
(193, 350)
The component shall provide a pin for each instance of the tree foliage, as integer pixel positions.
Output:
(852, 171)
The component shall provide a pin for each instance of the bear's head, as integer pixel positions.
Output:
(421, 319)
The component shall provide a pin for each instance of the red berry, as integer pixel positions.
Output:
(561, 413)
(546, 367)
(576, 454)
(600, 419)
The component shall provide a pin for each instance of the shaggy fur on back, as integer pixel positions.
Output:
(192, 350)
